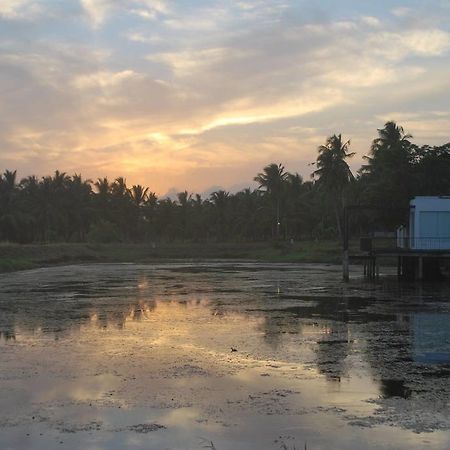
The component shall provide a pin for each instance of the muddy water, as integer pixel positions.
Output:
(221, 355)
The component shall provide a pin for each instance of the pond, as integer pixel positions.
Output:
(221, 355)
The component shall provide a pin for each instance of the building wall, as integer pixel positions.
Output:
(430, 223)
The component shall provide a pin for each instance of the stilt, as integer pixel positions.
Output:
(420, 268)
(345, 266)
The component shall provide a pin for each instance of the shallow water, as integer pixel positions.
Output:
(246, 356)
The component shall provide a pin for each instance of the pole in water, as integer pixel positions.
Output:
(345, 262)
(345, 266)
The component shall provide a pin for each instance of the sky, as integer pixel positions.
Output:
(197, 94)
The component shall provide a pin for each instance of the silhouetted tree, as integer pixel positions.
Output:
(333, 173)
(69, 208)
(272, 179)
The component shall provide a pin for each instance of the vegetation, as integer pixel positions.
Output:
(27, 256)
(333, 174)
(63, 208)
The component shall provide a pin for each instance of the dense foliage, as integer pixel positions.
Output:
(284, 206)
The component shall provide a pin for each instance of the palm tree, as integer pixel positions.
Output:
(390, 150)
(103, 187)
(119, 188)
(8, 213)
(388, 178)
(248, 218)
(138, 195)
(79, 206)
(184, 200)
(60, 179)
(9, 180)
(333, 173)
(220, 200)
(272, 178)
(390, 136)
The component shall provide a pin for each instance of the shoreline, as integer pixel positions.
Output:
(15, 257)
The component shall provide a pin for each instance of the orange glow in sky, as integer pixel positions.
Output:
(191, 96)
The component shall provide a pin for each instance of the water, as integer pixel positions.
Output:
(239, 356)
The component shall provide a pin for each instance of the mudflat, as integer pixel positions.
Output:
(224, 355)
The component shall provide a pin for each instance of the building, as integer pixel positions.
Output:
(429, 225)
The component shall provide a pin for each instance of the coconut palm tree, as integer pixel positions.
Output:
(333, 173)
(388, 179)
(220, 201)
(138, 195)
(103, 186)
(392, 135)
(391, 150)
(119, 188)
(79, 207)
(8, 212)
(272, 179)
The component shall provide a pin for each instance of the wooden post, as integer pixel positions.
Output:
(420, 268)
(345, 266)
(345, 258)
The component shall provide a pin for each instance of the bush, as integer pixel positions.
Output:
(103, 232)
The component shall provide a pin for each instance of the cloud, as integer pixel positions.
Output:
(145, 38)
(184, 94)
(396, 46)
(103, 79)
(401, 11)
(426, 124)
(371, 21)
(25, 10)
(97, 10)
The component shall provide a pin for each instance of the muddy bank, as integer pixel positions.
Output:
(251, 356)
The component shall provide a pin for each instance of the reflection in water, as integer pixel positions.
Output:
(395, 388)
(431, 338)
(155, 343)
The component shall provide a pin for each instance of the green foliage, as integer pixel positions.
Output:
(103, 232)
(13, 264)
(63, 208)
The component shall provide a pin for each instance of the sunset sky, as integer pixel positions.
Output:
(195, 94)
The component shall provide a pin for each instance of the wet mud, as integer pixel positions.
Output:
(246, 356)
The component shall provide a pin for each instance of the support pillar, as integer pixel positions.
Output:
(345, 258)
(345, 266)
(420, 268)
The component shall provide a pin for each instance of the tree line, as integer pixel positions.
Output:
(284, 206)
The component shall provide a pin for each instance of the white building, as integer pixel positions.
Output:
(429, 224)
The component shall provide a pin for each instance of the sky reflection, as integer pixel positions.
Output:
(217, 352)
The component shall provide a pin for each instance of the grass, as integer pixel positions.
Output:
(13, 264)
(19, 257)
